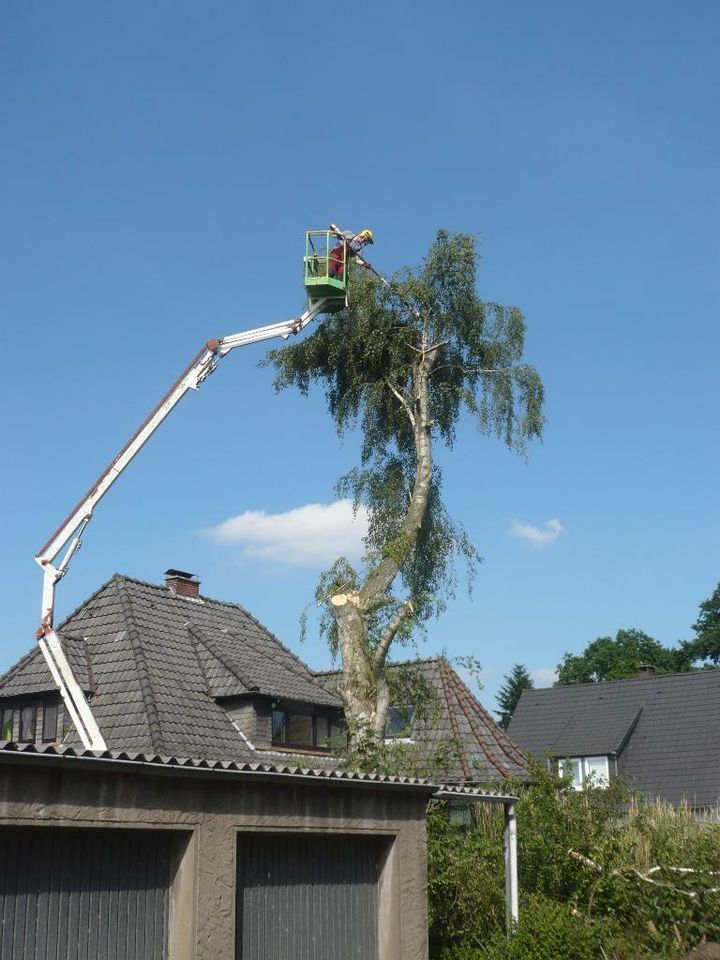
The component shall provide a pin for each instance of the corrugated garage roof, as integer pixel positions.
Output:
(123, 759)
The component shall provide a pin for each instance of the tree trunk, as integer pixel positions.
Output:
(365, 689)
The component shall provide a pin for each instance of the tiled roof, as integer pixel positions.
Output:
(486, 752)
(31, 675)
(158, 667)
(671, 751)
(26, 752)
(600, 728)
(156, 661)
(481, 750)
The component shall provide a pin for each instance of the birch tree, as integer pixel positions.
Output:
(405, 366)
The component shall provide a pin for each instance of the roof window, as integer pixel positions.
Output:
(585, 771)
(399, 722)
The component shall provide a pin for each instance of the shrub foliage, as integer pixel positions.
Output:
(602, 875)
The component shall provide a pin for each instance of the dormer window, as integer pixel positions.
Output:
(50, 722)
(585, 771)
(7, 724)
(30, 721)
(305, 731)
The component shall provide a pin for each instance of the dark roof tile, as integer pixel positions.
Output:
(153, 683)
(481, 752)
(671, 723)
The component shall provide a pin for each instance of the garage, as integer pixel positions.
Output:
(308, 897)
(92, 894)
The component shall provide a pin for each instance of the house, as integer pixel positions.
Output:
(660, 733)
(218, 823)
(450, 732)
(170, 672)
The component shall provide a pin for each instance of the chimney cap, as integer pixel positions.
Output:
(180, 583)
(646, 670)
(173, 574)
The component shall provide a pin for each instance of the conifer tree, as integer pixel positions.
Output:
(510, 692)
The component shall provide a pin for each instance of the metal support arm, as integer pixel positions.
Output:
(69, 533)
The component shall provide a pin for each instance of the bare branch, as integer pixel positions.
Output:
(402, 613)
(406, 406)
(586, 860)
(462, 369)
(646, 877)
(436, 346)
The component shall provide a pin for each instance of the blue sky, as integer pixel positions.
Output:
(160, 162)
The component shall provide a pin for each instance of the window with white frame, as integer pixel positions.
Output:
(399, 722)
(585, 771)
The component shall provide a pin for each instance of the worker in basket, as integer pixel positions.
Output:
(354, 243)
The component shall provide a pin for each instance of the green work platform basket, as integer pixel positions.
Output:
(325, 266)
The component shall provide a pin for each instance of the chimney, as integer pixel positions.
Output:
(182, 584)
(645, 670)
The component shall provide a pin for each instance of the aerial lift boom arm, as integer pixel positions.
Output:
(68, 536)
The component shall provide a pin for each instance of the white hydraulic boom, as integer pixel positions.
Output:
(68, 536)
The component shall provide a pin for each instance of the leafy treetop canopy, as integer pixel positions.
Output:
(371, 358)
(706, 645)
(617, 658)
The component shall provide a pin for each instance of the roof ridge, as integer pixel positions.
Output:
(309, 676)
(389, 663)
(403, 663)
(467, 773)
(460, 690)
(201, 637)
(64, 637)
(597, 684)
(19, 664)
(146, 690)
(201, 668)
(223, 603)
(88, 600)
(496, 731)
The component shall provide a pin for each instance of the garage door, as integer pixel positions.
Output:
(308, 897)
(83, 894)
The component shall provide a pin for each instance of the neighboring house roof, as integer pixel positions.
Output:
(481, 750)
(664, 730)
(155, 662)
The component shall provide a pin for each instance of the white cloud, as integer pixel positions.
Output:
(539, 537)
(544, 676)
(312, 535)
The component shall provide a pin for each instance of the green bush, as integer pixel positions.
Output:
(598, 870)
(547, 931)
(465, 877)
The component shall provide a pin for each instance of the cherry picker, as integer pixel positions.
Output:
(327, 292)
